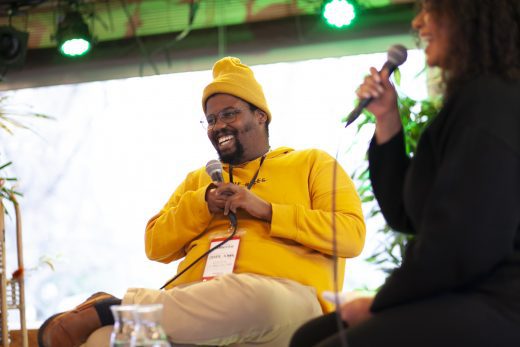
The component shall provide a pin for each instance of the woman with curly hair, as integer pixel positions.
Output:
(459, 282)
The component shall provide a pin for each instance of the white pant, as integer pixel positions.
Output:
(234, 309)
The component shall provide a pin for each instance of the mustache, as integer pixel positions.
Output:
(223, 132)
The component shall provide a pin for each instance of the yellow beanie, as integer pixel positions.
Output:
(232, 77)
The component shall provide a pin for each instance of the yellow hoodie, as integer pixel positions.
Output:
(297, 244)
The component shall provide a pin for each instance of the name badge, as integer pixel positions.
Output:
(221, 261)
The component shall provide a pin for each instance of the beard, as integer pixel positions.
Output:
(234, 157)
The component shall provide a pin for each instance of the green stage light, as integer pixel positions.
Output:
(73, 35)
(75, 47)
(338, 13)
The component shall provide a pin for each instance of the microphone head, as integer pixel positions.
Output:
(214, 168)
(397, 54)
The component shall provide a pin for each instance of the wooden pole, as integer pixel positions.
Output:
(21, 268)
(3, 280)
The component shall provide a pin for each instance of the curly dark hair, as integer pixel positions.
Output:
(484, 38)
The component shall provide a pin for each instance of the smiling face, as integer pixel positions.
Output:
(434, 33)
(244, 138)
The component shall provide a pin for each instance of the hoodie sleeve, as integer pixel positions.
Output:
(184, 217)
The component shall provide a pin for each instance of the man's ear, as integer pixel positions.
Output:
(261, 115)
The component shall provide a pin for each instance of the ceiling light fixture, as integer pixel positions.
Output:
(73, 35)
(13, 46)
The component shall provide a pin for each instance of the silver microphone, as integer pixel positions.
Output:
(214, 170)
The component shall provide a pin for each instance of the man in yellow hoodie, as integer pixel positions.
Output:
(267, 226)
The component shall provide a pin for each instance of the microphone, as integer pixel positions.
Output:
(214, 170)
(396, 55)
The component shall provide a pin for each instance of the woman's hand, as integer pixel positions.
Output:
(384, 104)
(356, 310)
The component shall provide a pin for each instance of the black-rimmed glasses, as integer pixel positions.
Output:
(225, 116)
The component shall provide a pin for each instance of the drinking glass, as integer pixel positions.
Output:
(124, 326)
(149, 332)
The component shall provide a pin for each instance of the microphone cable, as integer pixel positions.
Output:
(223, 242)
(339, 321)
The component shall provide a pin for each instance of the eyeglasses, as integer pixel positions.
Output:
(226, 116)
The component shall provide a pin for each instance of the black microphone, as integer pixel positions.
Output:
(396, 55)
(214, 170)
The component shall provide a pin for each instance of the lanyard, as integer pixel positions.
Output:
(253, 180)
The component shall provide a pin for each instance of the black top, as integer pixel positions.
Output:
(460, 195)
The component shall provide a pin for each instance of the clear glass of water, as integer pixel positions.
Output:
(124, 326)
(149, 332)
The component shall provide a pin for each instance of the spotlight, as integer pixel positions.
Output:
(73, 35)
(338, 13)
(13, 46)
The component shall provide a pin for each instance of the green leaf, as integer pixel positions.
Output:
(5, 165)
(367, 199)
(2, 126)
(397, 76)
